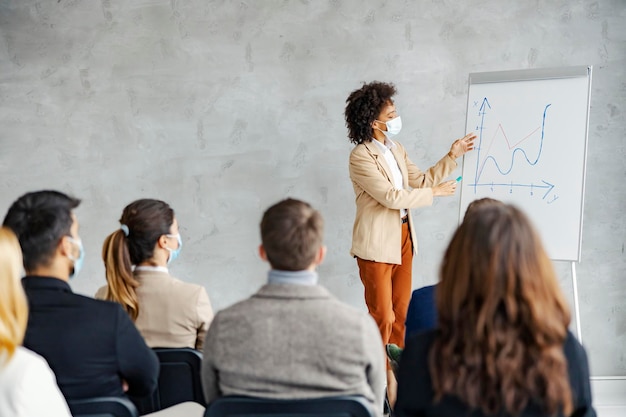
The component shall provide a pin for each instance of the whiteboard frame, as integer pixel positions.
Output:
(542, 74)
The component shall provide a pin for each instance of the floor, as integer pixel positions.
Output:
(609, 396)
(611, 411)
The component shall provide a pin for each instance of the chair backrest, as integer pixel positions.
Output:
(179, 380)
(343, 406)
(103, 407)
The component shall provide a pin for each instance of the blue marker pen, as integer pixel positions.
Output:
(459, 179)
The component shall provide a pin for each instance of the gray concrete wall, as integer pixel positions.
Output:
(224, 107)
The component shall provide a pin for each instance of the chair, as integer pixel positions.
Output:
(179, 380)
(343, 406)
(103, 407)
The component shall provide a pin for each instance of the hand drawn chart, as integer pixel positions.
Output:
(530, 151)
(489, 143)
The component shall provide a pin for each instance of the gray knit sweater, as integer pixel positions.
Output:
(293, 341)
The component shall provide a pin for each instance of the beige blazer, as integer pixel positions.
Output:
(172, 313)
(377, 231)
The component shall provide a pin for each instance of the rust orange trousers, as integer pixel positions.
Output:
(388, 291)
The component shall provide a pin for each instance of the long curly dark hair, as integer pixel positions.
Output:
(364, 106)
(502, 318)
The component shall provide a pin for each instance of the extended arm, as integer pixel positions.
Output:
(210, 384)
(365, 173)
(205, 316)
(138, 364)
(376, 370)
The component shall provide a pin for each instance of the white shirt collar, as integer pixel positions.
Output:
(305, 277)
(396, 174)
(389, 144)
(152, 268)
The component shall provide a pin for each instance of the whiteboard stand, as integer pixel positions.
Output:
(576, 306)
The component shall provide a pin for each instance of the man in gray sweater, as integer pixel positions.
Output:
(293, 339)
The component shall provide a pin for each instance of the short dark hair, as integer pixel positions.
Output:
(364, 106)
(291, 233)
(39, 220)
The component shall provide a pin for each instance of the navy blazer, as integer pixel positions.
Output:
(422, 313)
(91, 345)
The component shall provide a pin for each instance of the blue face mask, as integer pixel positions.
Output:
(174, 252)
(78, 263)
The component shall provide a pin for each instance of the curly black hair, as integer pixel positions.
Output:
(364, 106)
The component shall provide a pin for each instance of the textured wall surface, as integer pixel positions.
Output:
(222, 108)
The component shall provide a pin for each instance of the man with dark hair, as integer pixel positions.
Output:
(92, 346)
(288, 340)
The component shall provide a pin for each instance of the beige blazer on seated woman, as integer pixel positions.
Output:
(172, 313)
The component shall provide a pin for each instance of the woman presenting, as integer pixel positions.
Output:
(387, 185)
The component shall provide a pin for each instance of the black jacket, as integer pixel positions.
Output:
(91, 345)
(415, 391)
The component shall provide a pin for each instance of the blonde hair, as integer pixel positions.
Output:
(13, 305)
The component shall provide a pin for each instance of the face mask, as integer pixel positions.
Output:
(393, 127)
(174, 252)
(78, 263)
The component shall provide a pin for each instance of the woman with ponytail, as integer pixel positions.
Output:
(167, 311)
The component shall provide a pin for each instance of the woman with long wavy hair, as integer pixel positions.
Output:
(502, 345)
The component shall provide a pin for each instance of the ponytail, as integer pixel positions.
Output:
(119, 273)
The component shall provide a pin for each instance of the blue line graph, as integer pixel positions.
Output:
(499, 165)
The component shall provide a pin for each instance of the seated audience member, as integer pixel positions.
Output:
(92, 346)
(167, 312)
(288, 340)
(502, 345)
(27, 385)
(422, 314)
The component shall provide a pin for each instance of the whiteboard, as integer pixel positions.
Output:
(531, 148)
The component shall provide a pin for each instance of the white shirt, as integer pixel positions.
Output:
(393, 165)
(28, 388)
(151, 268)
